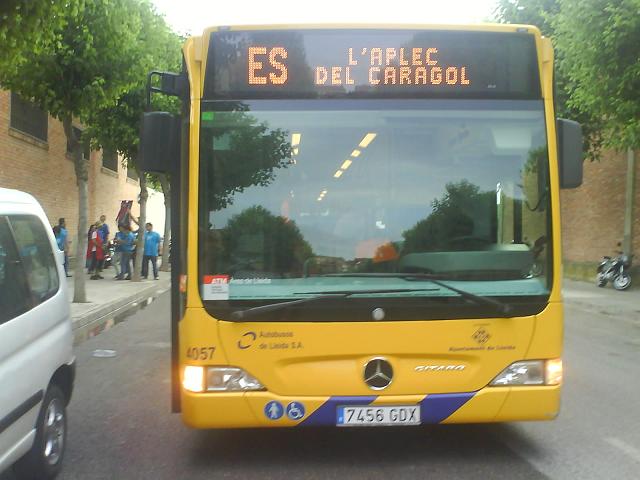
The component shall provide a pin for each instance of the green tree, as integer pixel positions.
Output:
(94, 59)
(544, 14)
(450, 226)
(116, 126)
(258, 241)
(249, 153)
(30, 26)
(599, 45)
(539, 13)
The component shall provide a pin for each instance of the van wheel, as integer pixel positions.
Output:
(44, 460)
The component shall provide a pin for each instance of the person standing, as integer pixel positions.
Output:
(104, 229)
(126, 241)
(117, 254)
(62, 238)
(151, 251)
(95, 252)
(103, 232)
(92, 227)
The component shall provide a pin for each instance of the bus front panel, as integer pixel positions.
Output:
(374, 238)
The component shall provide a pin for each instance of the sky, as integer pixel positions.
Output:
(192, 16)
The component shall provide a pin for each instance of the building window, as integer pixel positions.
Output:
(86, 149)
(28, 118)
(110, 160)
(131, 173)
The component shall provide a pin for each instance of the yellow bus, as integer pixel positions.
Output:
(367, 225)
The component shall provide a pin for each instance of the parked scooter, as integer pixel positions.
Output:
(615, 270)
(108, 255)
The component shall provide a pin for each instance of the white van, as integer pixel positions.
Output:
(37, 366)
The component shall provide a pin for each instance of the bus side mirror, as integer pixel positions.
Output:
(159, 142)
(569, 153)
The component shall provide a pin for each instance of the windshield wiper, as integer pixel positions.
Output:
(322, 296)
(501, 307)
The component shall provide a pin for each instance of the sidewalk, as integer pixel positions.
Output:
(109, 301)
(605, 300)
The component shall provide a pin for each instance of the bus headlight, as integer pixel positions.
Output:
(231, 379)
(531, 372)
(553, 371)
(193, 378)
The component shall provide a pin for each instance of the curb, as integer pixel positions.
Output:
(96, 321)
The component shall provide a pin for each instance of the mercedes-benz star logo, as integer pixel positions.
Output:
(378, 373)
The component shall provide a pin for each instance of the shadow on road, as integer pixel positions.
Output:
(461, 450)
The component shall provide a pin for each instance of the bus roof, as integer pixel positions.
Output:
(485, 27)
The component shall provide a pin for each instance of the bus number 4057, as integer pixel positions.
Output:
(200, 353)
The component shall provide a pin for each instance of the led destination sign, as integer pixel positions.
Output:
(387, 66)
(371, 64)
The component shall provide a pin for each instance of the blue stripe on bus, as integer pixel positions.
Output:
(434, 408)
(439, 406)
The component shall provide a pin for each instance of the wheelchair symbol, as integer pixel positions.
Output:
(295, 411)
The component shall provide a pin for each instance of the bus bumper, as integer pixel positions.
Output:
(249, 410)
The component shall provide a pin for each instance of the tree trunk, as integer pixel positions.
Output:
(82, 180)
(629, 207)
(144, 194)
(166, 191)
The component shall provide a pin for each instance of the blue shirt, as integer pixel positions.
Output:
(151, 243)
(129, 245)
(103, 231)
(62, 238)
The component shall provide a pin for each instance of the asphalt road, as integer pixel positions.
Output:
(120, 426)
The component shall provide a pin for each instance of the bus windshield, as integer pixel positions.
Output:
(295, 195)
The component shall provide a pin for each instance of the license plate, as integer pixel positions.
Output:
(378, 415)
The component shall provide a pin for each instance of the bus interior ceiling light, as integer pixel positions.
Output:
(531, 372)
(368, 138)
(295, 139)
(338, 174)
(346, 164)
(355, 153)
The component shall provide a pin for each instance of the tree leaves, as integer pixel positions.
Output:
(256, 242)
(91, 61)
(117, 125)
(597, 63)
(450, 220)
(30, 26)
(600, 57)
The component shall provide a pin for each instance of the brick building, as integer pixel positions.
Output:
(34, 158)
(593, 215)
